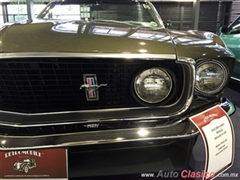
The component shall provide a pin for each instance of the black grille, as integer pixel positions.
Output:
(35, 85)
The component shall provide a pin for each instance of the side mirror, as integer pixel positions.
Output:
(168, 24)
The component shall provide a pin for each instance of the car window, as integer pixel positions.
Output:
(137, 13)
(234, 28)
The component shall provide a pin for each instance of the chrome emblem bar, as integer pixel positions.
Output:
(91, 87)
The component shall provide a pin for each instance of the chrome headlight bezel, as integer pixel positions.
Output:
(213, 69)
(153, 85)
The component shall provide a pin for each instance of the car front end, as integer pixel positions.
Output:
(117, 95)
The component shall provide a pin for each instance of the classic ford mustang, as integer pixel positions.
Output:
(106, 80)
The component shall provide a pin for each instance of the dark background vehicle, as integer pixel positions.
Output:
(110, 84)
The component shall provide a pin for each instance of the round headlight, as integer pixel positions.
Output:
(153, 85)
(211, 77)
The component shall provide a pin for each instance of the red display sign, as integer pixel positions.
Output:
(217, 131)
(34, 164)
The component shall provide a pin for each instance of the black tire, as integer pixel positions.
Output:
(25, 169)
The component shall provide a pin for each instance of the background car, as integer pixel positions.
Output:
(231, 37)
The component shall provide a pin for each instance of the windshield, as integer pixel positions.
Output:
(110, 11)
(234, 28)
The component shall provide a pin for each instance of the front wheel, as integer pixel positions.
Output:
(25, 169)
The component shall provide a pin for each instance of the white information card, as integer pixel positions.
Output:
(217, 131)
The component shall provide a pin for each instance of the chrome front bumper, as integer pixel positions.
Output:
(162, 132)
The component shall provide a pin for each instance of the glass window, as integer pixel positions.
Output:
(38, 8)
(1, 16)
(134, 13)
(71, 12)
(17, 12)
(234, 28)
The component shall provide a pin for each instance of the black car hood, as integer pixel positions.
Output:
(96, 37)
(109, 37)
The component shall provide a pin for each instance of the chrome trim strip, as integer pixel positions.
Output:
(73, 133)
(78, 122)
(82, 122)
(156, 14)
(235, 79)
(143, 56)
(90, 138)
(191, 63)
(67, 112)
(89, 122)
